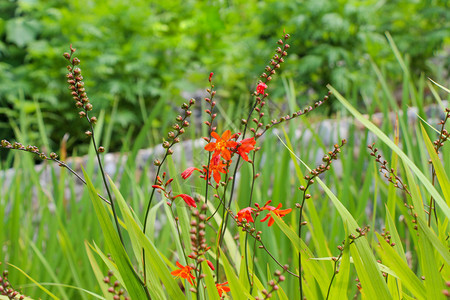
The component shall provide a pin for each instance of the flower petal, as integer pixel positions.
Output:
(210, 147)
(215, 135)
(188, 172)
(188, 199)
(226, 135)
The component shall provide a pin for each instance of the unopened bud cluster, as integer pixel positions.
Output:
(162, 186)
(283, 119)
(444, 135)
(76, 86)
(277, 59)
(210, 110)
(270, 70)
(360, 233)
(273, 285)
(328, 160)
(179, 128)
(32, 149)
(114, 287)
(6, 288)
(387, 237)
(198, 236)
(388, 173)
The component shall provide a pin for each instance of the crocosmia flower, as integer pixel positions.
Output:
(188, 199)
(275, 210)
(221, 288)
(245, 213)
(188, 172)
(261, 88)
(245, 146)
(216, 166)
(222, 145)
(184, 272)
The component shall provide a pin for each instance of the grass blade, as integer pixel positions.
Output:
(131, 281)
(35, 282)
(382, 136)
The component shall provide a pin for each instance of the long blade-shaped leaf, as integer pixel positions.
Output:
(438, 167)
(382, 136)
(391, 259)
(35, 282)
(131, 281)
(152, 255)
(376, 285)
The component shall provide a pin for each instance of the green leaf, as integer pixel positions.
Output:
(340, 286)
(434, 240)
(319, 273)
(392, 259)
(209, 280)
(369, 125)
(21, 31)
(35, 282)
(97, 272)
(131, 280)
(374, 282)
(237, 290)
(152, 255)
(438, 167)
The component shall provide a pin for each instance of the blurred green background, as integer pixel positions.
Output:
(134, 53)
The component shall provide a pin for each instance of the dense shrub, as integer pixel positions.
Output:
(138, 53)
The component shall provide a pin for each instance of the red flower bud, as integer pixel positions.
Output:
(188, 172)
(210, 264)
(188, 199)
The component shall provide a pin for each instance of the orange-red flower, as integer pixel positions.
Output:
(188, 172)
(222, 144)
(221, 288)
(184, 272)
(245, 146)
(188, 199)
(245, 213)
(216, 166)
(261, 88)
(276, 211)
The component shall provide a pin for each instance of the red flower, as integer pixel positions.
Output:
(245, 146)
(188, 172)
(245, 213)
(210, 264)
(188, 199)
(261, 88)
(216, 166)
(220, 147)
(275, 210)
(221, 288)
(183, 272)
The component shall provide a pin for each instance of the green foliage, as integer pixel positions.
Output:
(45, 226)
(136, 54)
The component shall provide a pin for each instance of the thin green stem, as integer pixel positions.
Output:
(334, 274)
(116, 220)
